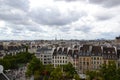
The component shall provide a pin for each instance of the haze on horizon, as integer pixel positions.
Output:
(64, 19)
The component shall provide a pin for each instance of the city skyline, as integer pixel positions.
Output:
(61, 19)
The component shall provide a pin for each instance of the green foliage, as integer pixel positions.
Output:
(106, 72)
(69, 70)
(13, 62)
(56, 74)
(109, 72)
(76, 77)
(92, 75)
(48, 72)
(37, 75)
(34, 66)
(5, 63)
(48, 69)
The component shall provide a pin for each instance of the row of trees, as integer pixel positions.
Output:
(14, 61)
(106, 72)
(48, 72)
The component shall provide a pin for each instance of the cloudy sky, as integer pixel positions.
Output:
(64, 19)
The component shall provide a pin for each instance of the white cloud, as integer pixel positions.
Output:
(68, 19)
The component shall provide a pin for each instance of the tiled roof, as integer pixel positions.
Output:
(44, 49)
(65, 50)
(96, 49)
(55, 51)
(70, 52)
(85, 48)
(109, 50)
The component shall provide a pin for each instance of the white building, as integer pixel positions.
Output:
(45, 55)
(60, 57)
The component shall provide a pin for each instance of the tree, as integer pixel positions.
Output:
(109, 72)
(48, 69)
(92, 75)
(34, 65)
(76, 77)
(56, 74)
(5, 63)
(118, 74)
(69, 70)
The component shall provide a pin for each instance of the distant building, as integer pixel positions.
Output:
(11, 49)
(117, 39)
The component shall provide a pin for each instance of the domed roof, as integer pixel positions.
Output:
(1, 68)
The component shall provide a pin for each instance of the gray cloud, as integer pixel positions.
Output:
(11, 16)
(108, 35)
(103, 16)
(84, 28)
(14, 11)
(19, 4)
(53, 16)
(69, 0)
(65, 28)
(106, 3)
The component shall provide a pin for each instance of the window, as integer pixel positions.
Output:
(97, 58)
(83, 63)
(65, 61)
(97, 62)
(94, 58)
(60, 61)
(87, 63)
(83, 59)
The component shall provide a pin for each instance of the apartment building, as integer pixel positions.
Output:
(75, 57)
(96, 57)
(11, 49)
(85, 58)
(45, 55)
(1, 51)
(70, 58)
(118, 57)
(60, 56)
(109, 54)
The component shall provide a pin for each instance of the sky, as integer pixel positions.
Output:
(61, 19)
